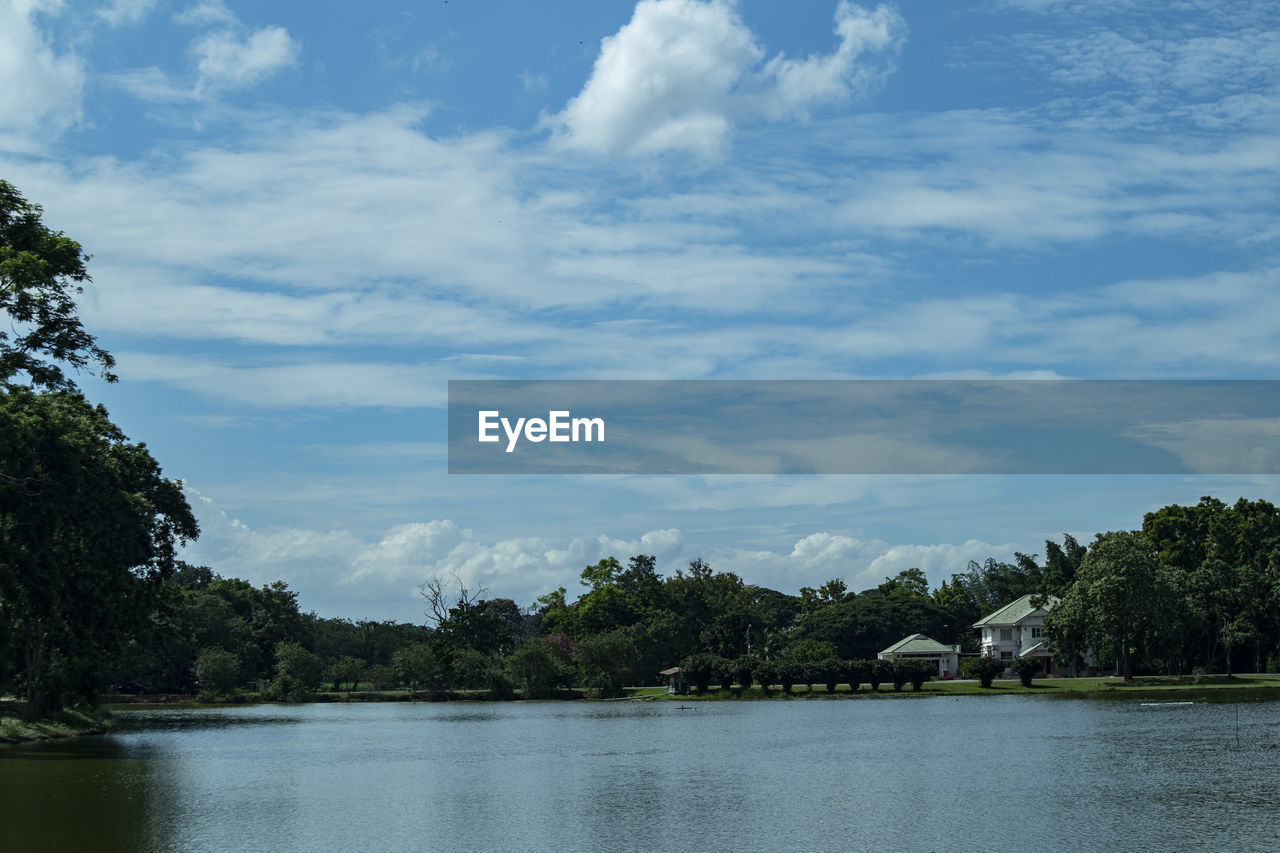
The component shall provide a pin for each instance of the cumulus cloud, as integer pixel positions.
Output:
(376, 575)
(228, 60)
(521, 567)
(40, 87)
(861, 563)
(682, 72)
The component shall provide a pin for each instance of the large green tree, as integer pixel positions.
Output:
(88, 529)
(1119, 598)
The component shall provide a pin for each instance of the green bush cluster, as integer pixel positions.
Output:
(704, 669)
(985, 669)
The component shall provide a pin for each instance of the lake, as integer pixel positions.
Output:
(953, 773)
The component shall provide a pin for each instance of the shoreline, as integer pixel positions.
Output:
(66, 724)
(57, 726)
(1080, 687)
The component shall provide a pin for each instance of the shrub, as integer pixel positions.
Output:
(830, 672)
(699, 669)
(985, 669)
(766, 673)
(855, 672)
(1025, 669)
(724, 670)
(920, 672)
(786, 674)
(744, 671)
(879, 671)
(900, 674)
(286, 688)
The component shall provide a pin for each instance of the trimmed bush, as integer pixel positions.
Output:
(900, 674)
(725, 670)
(919, 672)
(699, 669)
(766, 673)
(1025, 669)
(786, 674)
(830, 672)
(985, 669)
(879, 672)
(855, 672)
(744, 671)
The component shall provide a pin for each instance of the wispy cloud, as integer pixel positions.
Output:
(121, 12)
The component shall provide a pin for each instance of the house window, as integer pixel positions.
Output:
(1006, 633)
(1006, 656)
(1035, 633)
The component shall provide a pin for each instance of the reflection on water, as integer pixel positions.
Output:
(1023, 772)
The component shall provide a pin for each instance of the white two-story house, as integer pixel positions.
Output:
(1017, 630)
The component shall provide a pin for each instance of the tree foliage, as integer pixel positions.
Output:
(1026, 668)
(41, 273)
(89, 528)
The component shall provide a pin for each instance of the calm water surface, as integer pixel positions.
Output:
(959, 773)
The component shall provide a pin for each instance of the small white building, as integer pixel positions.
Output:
(918, 646)
(1017, 630)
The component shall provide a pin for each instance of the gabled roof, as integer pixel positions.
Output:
(1015, 611)
(1038, 649)
(917, 644)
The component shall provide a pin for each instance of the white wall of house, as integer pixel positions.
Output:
(1013, 639)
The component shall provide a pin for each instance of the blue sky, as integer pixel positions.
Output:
(305, 220)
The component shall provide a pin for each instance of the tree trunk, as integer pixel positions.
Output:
(36, 695)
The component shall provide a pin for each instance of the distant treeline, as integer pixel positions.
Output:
(1196, 588)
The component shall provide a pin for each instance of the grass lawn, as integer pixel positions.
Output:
(60, 724)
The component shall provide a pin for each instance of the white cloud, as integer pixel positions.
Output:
(861, 564)
(431, 59)
(120, 12)
(938, 562)
(313, 384)
(295, 555)
(226, 57)
(225, 60)
(797, 84)
(207, 13)
(533, 82)
(682, 72)
(40, 87)
(149, 84)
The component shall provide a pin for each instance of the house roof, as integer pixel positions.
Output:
(675, 670)
(1038, 650)
(917, 644)
(1015, 611)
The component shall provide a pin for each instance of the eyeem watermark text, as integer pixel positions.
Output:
(558, 426)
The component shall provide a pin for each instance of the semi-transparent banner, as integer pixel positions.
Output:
(864, 427)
